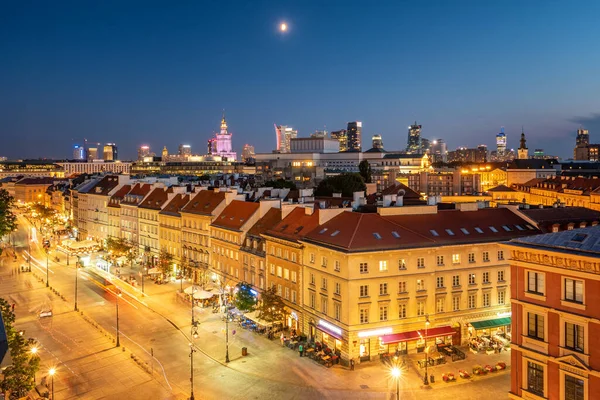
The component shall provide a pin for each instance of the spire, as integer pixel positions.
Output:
(523, 145)
(223, 124)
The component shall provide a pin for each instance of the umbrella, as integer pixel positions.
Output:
(191, 289)
(202, 295)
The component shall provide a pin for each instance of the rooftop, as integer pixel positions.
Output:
(138, 192)
(295, 225)
(105, 185)
(268, 221)
(205, 202)
(116, 198)
(175, 205)
(584, 240)
(236, 214)
(156, 199)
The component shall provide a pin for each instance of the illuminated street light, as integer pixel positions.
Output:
(396, 375)
(51, 372)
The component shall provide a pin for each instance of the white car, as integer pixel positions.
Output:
(45, 313)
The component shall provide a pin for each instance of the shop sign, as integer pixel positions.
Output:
(375, 332)
(330, 327)
(504, 314)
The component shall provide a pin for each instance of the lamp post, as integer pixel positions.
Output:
(396, 375)
(47, 270)
(76, 279)
(51, 372)
(226, 334)
(426, 379)
(33, 352)
(194, 333)
(117, 305)
(29, 248)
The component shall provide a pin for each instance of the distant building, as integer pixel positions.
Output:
(583, 137)
(466, 155)
(248, 152)
(584, 151)
(319, 134)
(143, 151)
(342, 137)
(354, 133)
(284, 135)
(377, 142)
(501, 145)
(92, 167)
(523, 151)
(92, 153)
(425, 145)
(78, 152)
(211, 146)
(223, 142)
(110, 152)
(185, 150)
(165, 154)
(438, 151)
(414, 138)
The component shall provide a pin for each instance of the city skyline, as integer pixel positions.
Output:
(122, 76)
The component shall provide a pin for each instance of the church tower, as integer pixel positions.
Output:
(165, 153)
(523, 152)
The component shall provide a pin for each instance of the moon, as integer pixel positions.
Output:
(283, 27)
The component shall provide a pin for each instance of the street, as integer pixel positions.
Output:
(159, 324)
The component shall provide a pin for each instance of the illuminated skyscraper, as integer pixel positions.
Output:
(341, 137)
(438, 151)
(501, 144)
(143, 151)
(414, 139)
(78, 152)
(583, 137)
(284, 136)
(248, 152)
(109, 152)
(354, 133)
(185, 150)
(223, 143)
(377, 142)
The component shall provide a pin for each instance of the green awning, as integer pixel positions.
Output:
(491, 323)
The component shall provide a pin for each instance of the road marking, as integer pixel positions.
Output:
(35, 260)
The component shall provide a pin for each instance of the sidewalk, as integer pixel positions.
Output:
(268, 360)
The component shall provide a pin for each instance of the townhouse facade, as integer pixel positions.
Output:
(129, 212)
(169, 220)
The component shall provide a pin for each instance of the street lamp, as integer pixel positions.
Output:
(47, 270)
(426, 379)
(51, 372)
(76, 276)
(396, 375)
(33, 352)
(194, 332)
(117, 305)
(226, 334)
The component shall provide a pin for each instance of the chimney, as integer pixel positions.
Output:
(400, 198)
(358, 198)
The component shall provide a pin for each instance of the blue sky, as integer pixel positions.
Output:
(159, 73)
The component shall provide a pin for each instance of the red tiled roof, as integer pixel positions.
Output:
(395, 188)
(116, 198)
(105, 185)
(268, 221)
(175, 205)
(204, 202)
(140, 190)
(373, 232)
(156, 199)
(501, 188)
(35, 181)
(295, 225)
(236, 214)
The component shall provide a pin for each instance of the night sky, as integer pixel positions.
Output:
(160, 73)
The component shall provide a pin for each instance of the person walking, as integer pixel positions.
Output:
(352, 364)
(300, 350)
(282, 339)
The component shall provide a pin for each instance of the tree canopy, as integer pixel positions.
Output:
(8, 220)
(280, 184)
(165, 262)
(244, 300)
(19, 376)
(364, 169)
(270, 307)
(346, 184)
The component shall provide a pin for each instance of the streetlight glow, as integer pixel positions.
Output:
(34, 350)
(52, 371)
(396, 372)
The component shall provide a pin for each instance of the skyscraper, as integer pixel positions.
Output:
(438, 151)
(377, 142)
(223, 142)
(211, 146)
(414, 138)
(341, 137)
(92, 153)
(143, 151)
(284, 136)
(185, 150)
(583, 137)
(78, 152)
(501, 144)
(110, 152)
(354, 133)
(248, 152)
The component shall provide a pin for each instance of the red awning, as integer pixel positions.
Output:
(414, 335)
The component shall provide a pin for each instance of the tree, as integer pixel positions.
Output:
(364, 169)
(165, 262)
(244, 300)
(119, 247)
(18, 378)
(8, 220)
(280, 184)
(270, 307)
(346, 183)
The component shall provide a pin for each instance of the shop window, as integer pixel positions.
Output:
(574, 337)
(535, 326)
(535, 378)
(574, 290)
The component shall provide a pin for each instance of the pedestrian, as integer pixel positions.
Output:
(13, 307)
(300, 350)
(281, 338)
(352, 364)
